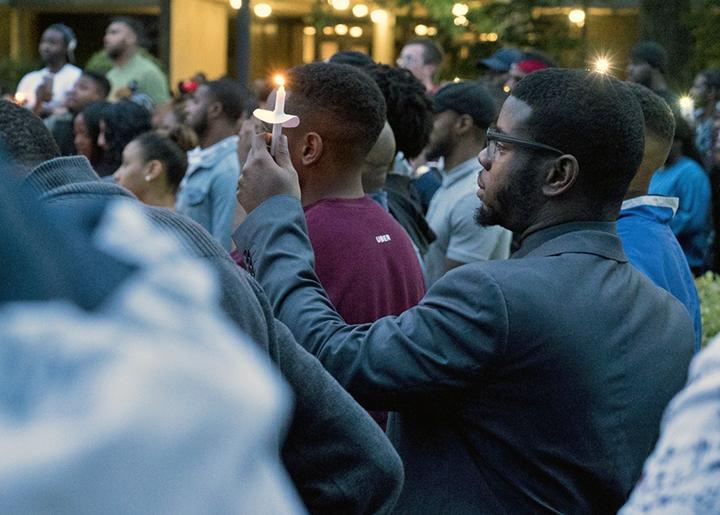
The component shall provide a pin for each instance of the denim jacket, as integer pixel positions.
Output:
(207, 192)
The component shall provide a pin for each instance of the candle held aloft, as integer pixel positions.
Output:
(277, 117)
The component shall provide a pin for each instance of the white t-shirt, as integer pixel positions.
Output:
(63, 81)
(451, 217)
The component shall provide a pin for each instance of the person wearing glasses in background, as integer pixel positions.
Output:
(423, 58)
(530, 384)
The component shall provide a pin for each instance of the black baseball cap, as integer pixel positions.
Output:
(466, 97)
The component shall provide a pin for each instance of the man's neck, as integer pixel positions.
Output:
(325, 188)
(55, 67)
(462, 152)
(125, 57)
(164, 199)
(216, 133)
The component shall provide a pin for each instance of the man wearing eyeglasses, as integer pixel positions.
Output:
(533, 384)
(423, 58)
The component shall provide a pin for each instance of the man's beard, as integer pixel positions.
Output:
(114, 53)
(441, 149)
(516, 203)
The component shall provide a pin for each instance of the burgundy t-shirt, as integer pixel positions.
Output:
(363, 258)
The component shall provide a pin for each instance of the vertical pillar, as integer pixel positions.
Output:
(383, 38)
(243, 43)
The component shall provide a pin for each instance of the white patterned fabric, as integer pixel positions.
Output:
(682, 475)
(153, 403)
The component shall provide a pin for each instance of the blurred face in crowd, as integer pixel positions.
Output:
(83, 142)
(441, 138)
(52, 48)
(513, 77)
(133, 170)
(118, 38)
(196, 110)
(700, 91)
(639, 72)
(83, 92)
(412, 58)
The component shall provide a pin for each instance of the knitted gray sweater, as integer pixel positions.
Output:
(338, 458)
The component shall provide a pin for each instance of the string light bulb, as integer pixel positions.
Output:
(262, 10)
(360, 10)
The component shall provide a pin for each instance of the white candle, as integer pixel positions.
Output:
(277, 117)
(279, 110)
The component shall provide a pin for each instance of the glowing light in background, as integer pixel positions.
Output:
(379, 16)
(356, 32)
(341, 29)
(687, 107)
(236, 4)
(461, 21)
(460, 9)
(602, 65)
(340, 5)
(262, 10)
(360, 10)
(309, 31)
(421, 30)
(577, 16)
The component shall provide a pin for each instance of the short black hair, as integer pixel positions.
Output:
(341, 93)
(432, 53)
(135, 25)
(351, 57)
(650, 52)
(100, 81)
(124, 121)
(24, 136)
(231, 94)
(593, 117)
(712, 78)
(657, 113)
(409, 111)
(165, 148)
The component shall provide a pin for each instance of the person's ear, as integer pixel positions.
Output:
(214, 110)
(561, 176)
(312, 148)
(153, 170)
(463, 124)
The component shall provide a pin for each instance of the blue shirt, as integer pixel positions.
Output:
(650, 245)
(207, 192)
(687, 181)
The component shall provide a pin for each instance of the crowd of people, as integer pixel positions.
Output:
(464, 297)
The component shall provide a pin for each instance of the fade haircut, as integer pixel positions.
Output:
(409, 111)
(339, 102)
(101, 82)
(659, 119)
(432, 54)
(24, 136)
(231, 94)
(593, 117)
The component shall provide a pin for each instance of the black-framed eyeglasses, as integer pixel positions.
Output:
(494, 136)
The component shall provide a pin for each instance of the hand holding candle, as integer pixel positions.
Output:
(277, 117)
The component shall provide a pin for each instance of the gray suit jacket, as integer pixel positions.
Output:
(534, 384)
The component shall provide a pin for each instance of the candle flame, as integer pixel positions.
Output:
(279, 80)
